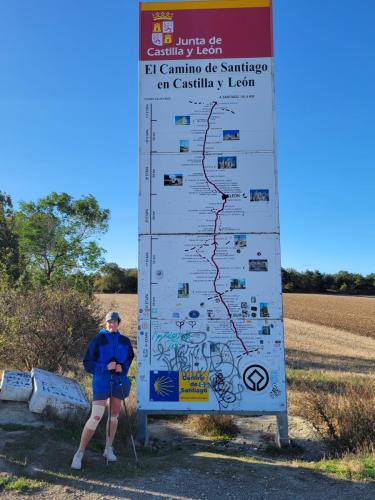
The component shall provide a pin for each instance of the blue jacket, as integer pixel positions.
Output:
(102, 349)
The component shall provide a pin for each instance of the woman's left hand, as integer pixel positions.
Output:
(118, 368)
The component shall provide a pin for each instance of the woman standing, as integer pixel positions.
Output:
(108, 358)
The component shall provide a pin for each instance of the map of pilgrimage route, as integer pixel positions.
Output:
(177, 178)
(185, 282)
(210, 315)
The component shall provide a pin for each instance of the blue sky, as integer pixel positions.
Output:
(68, 119)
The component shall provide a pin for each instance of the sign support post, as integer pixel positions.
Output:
(282, 437)
(142, 427)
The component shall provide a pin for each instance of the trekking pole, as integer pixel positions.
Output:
(110, 405)
(129, 424)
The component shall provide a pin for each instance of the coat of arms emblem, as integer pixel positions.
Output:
(157, 39)
(162, 28)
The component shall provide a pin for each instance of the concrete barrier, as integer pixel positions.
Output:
(15, 386)
(57, 396)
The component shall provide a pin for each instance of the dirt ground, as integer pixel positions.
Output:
(179, 464)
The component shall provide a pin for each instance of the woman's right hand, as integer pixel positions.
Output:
(111, 366)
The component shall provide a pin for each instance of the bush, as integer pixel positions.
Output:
(217, 426)
(345, 416)
(45, 327)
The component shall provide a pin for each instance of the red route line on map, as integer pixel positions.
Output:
(217, 216)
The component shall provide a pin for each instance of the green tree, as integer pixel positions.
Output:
(56, 235)
(110, 279)
(131, 280)
(10, 262)
(317, 281)
(359, 282)
(114, 279)
(370, 279)
(344, 287)
(328, 282)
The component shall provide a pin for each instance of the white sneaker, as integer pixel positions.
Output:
(77, 460)
(109, 455)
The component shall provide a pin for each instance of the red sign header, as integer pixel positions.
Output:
(204, 33)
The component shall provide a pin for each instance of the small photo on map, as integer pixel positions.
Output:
(258, 265)
(231, 135)
(183, 290)
(184, 146)
(182, 120)
(259, 195)
(266, 330)
(263, 310)
(239, 240)
(173, 179)
(226, 162)
(236, 284)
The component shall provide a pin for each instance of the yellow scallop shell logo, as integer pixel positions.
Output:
(163, 386)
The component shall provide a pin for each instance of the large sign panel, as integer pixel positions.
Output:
(187, 281)
(210, 313)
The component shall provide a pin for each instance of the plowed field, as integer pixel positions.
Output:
(353, 314)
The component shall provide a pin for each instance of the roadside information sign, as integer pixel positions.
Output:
(210, 331)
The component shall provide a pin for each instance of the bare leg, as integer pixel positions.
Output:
(115, 411)
(90, 426)
(97, 411)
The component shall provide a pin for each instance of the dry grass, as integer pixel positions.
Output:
(342, 412)
(214, 426)
(317, 347)
(352, 314)
(331, 377)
